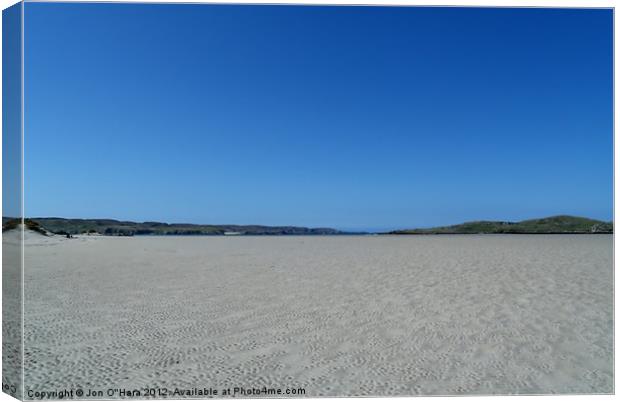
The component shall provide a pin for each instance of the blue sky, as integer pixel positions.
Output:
(348, 117)
(11, 112)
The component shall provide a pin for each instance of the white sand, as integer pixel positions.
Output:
(337, 315)
(11, 312)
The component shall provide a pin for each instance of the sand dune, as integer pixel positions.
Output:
(337, 316)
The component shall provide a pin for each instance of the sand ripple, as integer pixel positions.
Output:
(336, 315)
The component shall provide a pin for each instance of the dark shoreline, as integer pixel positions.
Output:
(496, 234)
(554, 225)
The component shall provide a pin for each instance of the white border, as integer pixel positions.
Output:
(481, 3)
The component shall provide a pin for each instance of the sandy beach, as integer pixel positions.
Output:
(335, 315)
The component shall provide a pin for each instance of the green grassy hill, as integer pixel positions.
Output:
(12, 223)
(126, 228)
(562, 224)
(555, 224)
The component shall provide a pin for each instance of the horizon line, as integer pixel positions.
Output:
(311, 226)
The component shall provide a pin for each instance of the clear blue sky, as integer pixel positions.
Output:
(11, 111)
(348, 117)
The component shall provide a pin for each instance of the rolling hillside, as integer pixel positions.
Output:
(552, 225)
(126, 228)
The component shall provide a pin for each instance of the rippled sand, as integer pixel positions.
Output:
(382, 315)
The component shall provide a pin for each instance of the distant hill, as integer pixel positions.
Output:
(11, 223)
(562, 224)
(126, 228)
